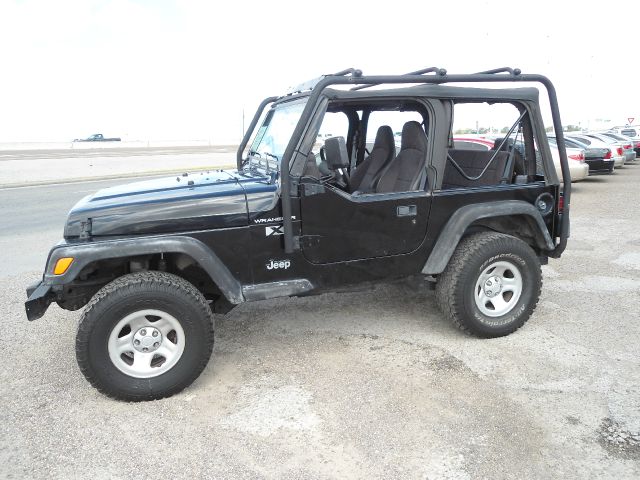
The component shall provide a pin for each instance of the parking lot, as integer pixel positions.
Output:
(367, 384)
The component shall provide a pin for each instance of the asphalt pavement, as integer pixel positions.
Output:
(48, 166)
(33, 219)
(369, 384)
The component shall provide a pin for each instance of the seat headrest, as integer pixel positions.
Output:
(335, 150)
(413, 136)
(384, 138)
(508, 145)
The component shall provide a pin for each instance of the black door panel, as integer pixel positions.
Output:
(338, 227)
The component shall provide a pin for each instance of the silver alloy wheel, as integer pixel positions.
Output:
(146, 343)
(498, 289)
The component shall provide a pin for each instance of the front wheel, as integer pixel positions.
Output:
(144, 336)
(491, 285)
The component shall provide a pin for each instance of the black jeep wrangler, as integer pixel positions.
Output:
(349, 179)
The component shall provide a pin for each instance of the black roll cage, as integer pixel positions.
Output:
(354, 77)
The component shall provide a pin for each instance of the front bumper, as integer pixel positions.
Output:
(39, 298)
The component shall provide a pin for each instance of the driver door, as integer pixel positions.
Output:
(338, 227)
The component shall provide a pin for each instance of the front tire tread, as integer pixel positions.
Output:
(120, 286)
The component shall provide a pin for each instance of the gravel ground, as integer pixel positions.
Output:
(361, 385)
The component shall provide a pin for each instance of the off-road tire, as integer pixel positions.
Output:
(130, 293)
(457, 285)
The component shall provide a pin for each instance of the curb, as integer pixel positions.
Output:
(148, 173)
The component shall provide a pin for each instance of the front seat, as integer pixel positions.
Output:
(403, 173)
(367, 174)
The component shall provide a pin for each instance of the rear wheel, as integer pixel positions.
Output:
(144, 336)
(491, 285)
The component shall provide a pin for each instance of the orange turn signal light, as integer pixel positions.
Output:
(62, 265)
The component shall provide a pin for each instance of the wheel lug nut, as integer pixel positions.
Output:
(155, 333)
(137, 342)
(145, 349)
(143, 332)
(156, 344)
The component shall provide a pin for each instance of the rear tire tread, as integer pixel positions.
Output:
(448, 282)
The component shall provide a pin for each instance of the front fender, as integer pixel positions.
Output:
(85, 253)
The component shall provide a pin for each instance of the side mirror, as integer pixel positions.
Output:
(336, 153)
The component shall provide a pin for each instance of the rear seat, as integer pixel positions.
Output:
(472, 162)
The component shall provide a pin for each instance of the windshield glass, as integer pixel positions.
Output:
(274, 134)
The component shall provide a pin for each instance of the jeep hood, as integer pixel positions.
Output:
(195, 201)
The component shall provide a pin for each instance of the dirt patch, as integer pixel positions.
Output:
(618, 441)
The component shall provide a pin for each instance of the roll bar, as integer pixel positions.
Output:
(354, 76)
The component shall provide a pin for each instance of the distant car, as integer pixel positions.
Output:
(473, 143)
(616, 147)
(629, 144)
(631, 131)
(628, 131)
(599, 159)
(628, 152)
(98, 137)
(578, 169)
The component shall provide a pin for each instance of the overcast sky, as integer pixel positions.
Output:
(173, 69)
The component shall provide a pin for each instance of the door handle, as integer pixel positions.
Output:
(406, 211)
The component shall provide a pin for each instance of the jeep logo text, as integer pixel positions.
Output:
(278, 264)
